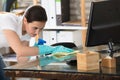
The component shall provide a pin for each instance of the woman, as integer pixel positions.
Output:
(12, 28)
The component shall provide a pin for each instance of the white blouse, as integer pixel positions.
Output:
(9, 21)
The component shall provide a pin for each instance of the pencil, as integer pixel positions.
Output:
(36, 38)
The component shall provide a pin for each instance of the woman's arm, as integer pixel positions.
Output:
(16, 44)
(25, 43)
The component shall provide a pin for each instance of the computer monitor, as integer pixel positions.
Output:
(104, 24)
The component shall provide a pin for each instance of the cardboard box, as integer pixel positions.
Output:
(88, 61)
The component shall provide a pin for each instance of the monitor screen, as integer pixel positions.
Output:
(104, 23)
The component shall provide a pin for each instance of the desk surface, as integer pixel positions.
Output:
(52, 67)
(59, 71)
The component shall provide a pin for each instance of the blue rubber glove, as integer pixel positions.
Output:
(43, 61)
(41, 41)
(46, 60)
(67, 57)
(44, 49)
(62, 49)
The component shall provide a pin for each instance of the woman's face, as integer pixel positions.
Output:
(34, 27)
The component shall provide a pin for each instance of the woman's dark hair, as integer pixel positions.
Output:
(36, 13)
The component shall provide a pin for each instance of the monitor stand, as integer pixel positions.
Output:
(111, 50)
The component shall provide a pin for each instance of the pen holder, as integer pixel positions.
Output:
(88, 61)
(108, 62)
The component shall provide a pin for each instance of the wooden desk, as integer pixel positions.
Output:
(59, 71)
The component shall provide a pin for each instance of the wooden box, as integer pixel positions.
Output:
(108, 62)
(88, 61)
(108, 70)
